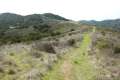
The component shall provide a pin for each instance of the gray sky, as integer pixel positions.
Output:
(72, 9)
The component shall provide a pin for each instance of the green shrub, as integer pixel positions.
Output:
(36, 54)
(76, 62)
(117, 50)
(11, 71)
(1, 70)
(12, 54)
(48, 47)
(72, 42)
(101, 44)
(72, 30)
(55, 33)
(103, 33)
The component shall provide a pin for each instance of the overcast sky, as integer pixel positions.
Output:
(71, 9)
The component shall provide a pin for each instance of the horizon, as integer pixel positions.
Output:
(59, 15)
(71, 9)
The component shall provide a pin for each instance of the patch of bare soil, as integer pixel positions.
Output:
(66, 70)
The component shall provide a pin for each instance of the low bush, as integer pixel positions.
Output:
(72, 30)
(44, 46)
(76, 62)
(101, 44)
(11, 71)
(49, 48)
(117, 50)
(36, 54)
(103, 33)
(72, 42)
(1, 70)
(55, 33)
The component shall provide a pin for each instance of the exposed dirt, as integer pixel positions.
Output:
(66, 70)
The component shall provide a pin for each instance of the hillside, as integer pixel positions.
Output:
(34, 59)
(17, 28)
(115, 24)
(50, 47)
(9, 19)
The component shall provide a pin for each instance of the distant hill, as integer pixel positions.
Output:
(10, 19)
(54, 16)
(17, 28)
(105, 23)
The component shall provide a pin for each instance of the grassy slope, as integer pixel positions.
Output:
(22, 63)
(81, 68)
(23, 67)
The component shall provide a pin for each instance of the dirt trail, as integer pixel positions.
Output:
(74, 65)
(66, 70)
(66, 67)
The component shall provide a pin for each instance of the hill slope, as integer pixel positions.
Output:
(50, 47)
(18, 28)
(115, 24)
(10, 19)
